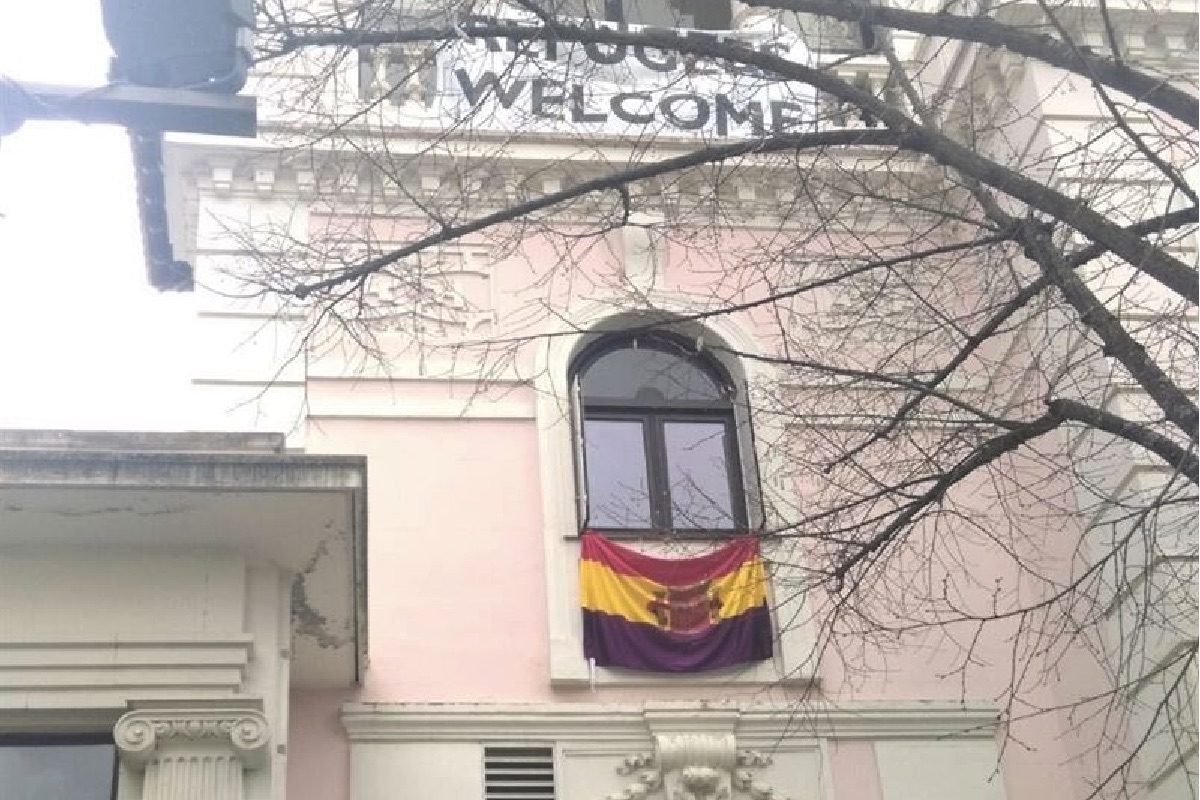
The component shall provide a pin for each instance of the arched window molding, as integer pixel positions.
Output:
(658, 449)
(562, 501)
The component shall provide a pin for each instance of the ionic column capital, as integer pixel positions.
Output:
(143, 734)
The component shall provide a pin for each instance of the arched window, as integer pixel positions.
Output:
(659, 437)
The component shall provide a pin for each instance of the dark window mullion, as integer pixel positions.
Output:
(583, 503)
(656, 465)
(733, 467)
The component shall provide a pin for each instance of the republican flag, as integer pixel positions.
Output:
(673, 615)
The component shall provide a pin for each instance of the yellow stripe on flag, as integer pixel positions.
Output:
(743, 589)
(631, 597)
(627, 596)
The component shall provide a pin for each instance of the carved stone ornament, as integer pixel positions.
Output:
(649, 778)
(144, 735)
(695, 767)
(743, 779)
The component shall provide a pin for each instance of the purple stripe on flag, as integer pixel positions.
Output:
(616, 642)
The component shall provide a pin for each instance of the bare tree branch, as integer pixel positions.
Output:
(1179, 277)
(1145, 88)
(1183, 460)
(986, 453)
(612, 182)
(1118, 344)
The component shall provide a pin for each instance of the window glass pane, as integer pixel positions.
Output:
(698, 475)
(713, 15)
(618, 496)
(659, 13)
(60, 771)
(647, 377)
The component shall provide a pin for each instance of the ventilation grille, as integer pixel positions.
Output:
(518, 773)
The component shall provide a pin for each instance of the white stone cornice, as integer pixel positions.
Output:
(753, 200)
(162, 470)
(242, 732)
(761, 729)
(87, 671)
(755, 727)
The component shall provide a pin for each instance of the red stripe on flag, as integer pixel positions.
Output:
(668, 571)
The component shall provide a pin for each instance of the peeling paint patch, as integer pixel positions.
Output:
(306, 620)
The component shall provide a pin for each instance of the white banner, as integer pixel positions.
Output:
(506, 84)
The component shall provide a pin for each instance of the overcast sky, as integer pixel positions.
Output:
(84, 341)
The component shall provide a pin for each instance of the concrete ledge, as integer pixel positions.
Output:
(754, 725)
(180, 470)
(143, 441)
(71, 492)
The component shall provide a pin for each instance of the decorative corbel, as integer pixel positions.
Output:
(644, 251)
(697, 766)
(690, 766)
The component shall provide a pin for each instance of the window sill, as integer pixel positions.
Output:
(573, 673)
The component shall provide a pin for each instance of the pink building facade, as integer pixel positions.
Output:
(374, 593)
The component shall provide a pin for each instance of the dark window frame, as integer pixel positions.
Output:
(653, 418)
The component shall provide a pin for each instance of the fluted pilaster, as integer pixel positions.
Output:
(193, 753)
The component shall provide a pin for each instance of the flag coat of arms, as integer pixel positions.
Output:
(673, 615)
